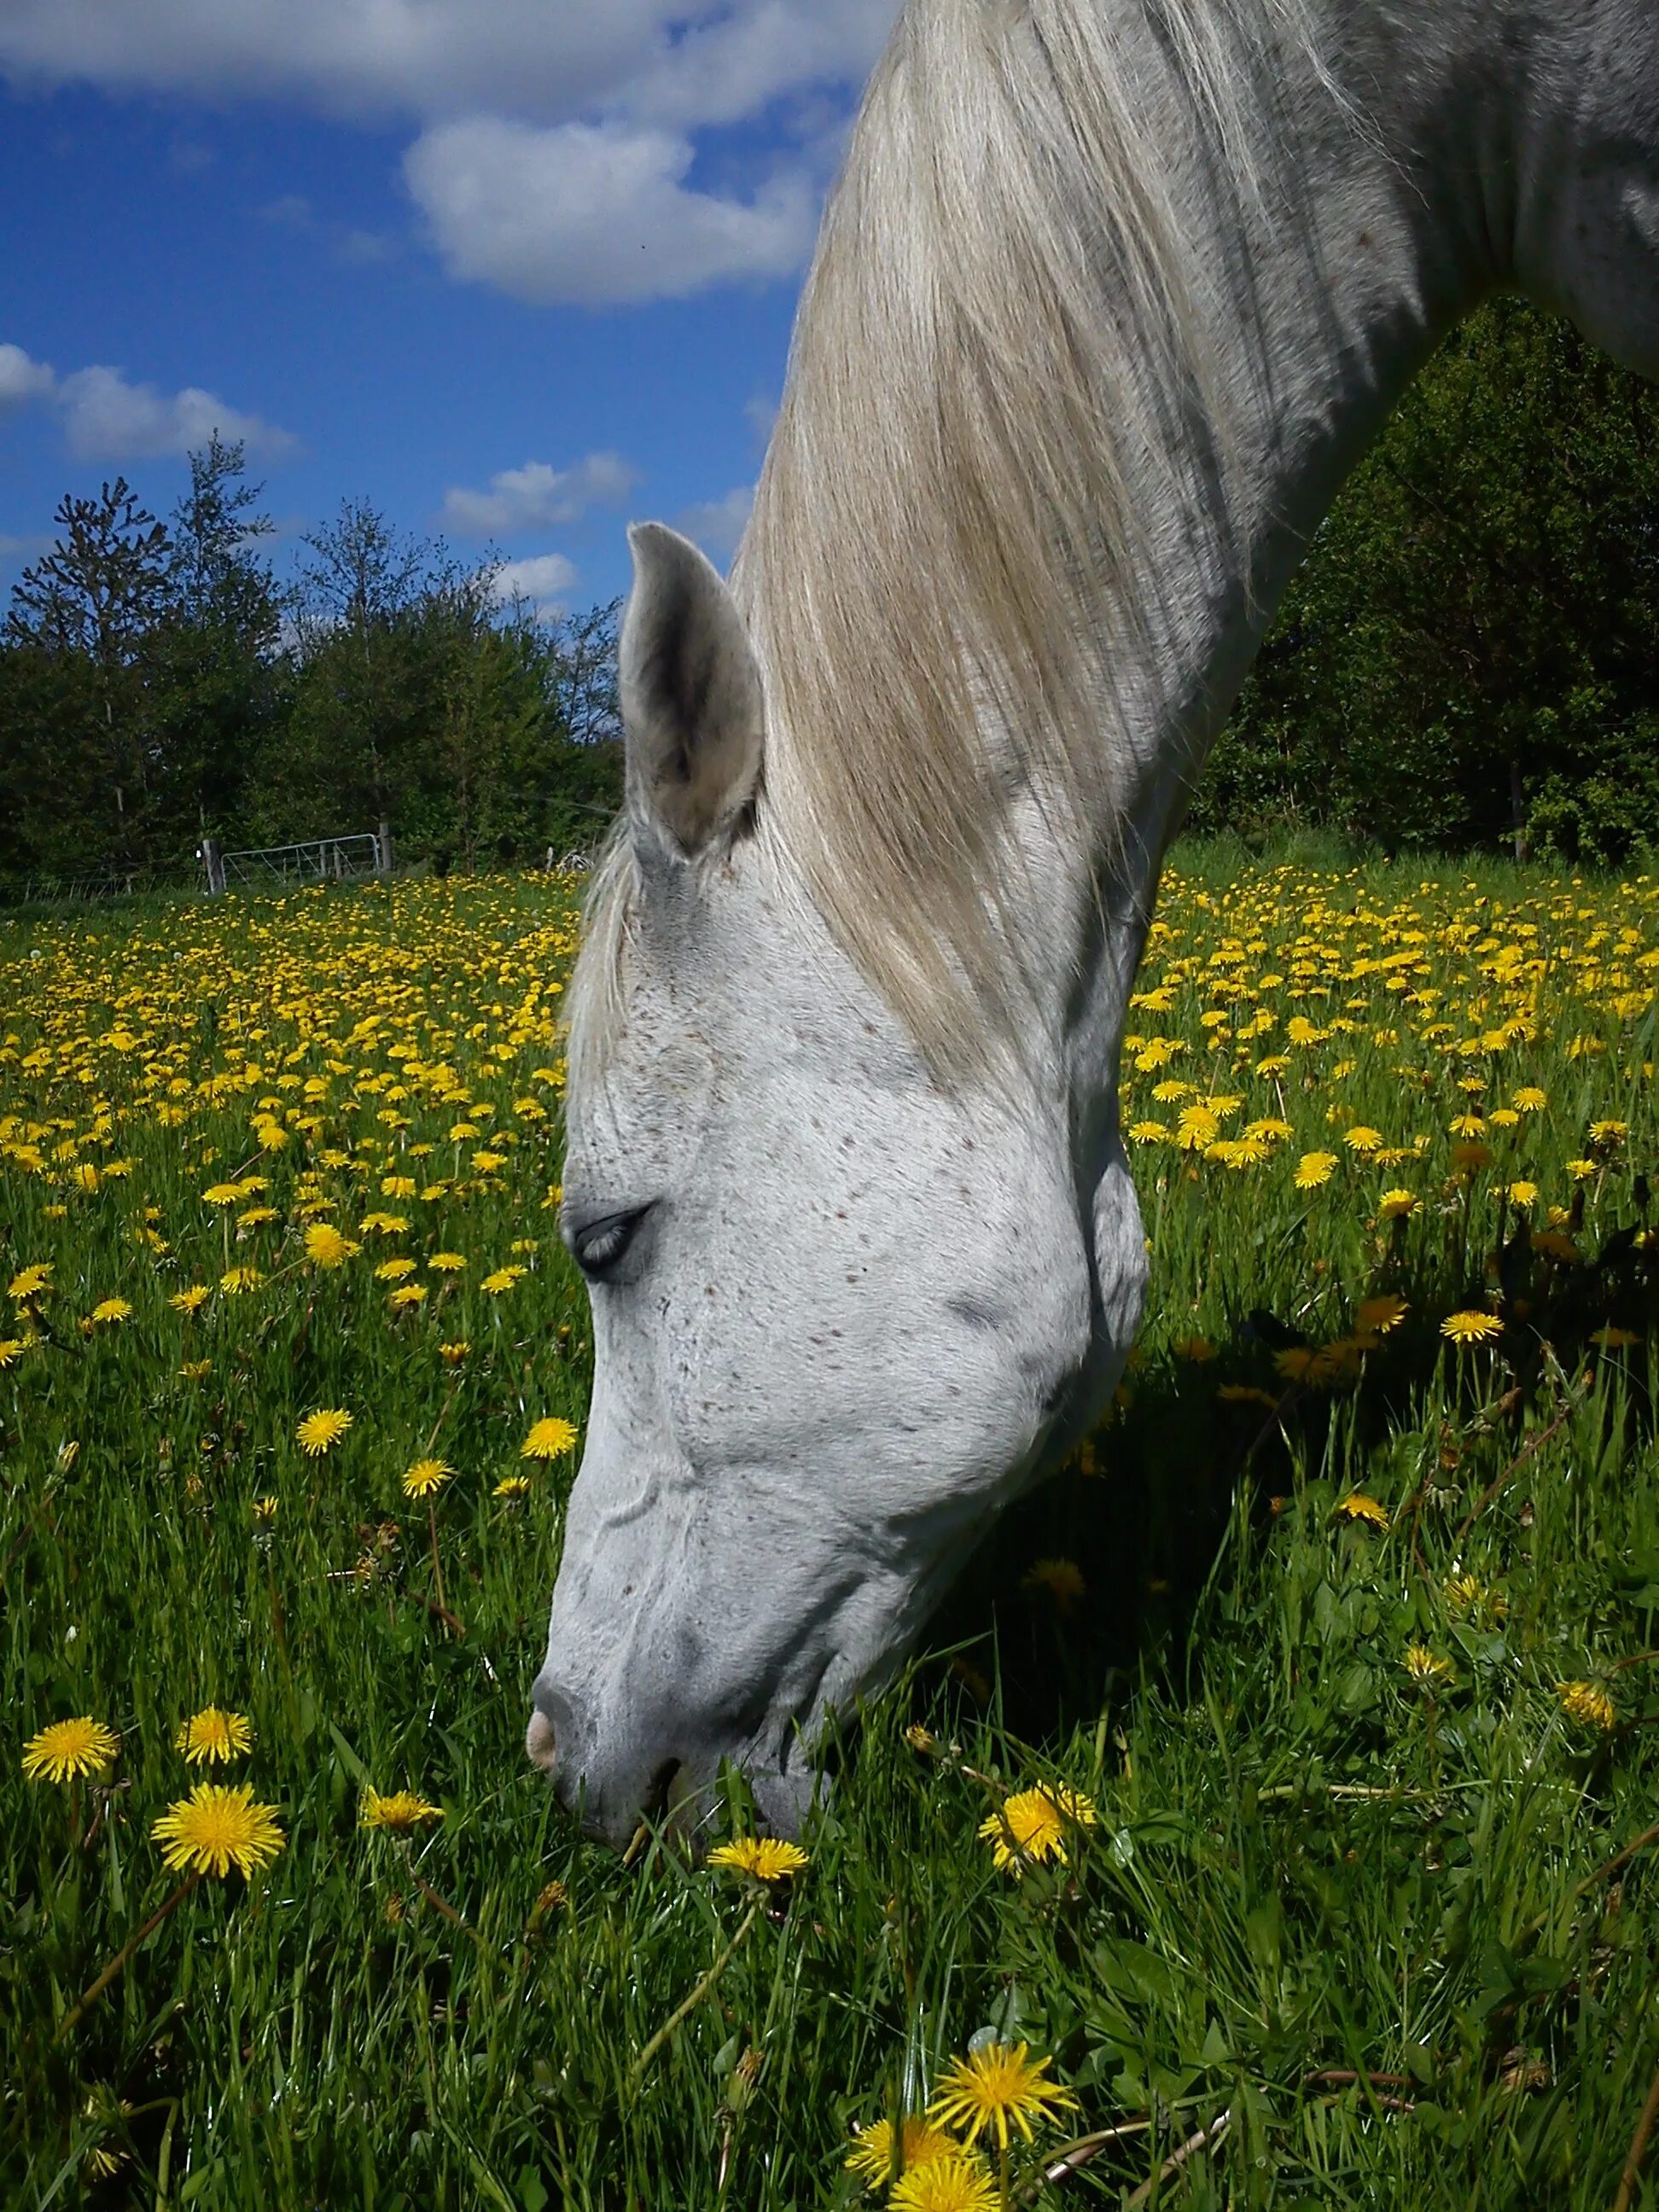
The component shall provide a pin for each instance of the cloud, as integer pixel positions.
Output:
(538, 497)
(289, 211)
(22, 379)
(541, 581)
(597, 215)
(687, 61)
(13, 548)
(107, 419)
(716, 524)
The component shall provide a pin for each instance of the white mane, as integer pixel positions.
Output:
(1005, 326)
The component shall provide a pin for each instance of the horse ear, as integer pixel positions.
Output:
(693, 707)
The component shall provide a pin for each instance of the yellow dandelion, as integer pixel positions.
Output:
(870, 2155)
(1471, 1326)
(502, 1279)
(191, 1301)
(393, 1271)
(764, 1858)
(994, 2085)
(385, 1224)
(214, 1737)
(513, 1487)
(12, 1349)
(1523, 1193)
(1357, 1506)
(109, 1311)
(236, 1282)
(1363, 1138)
(1198, 1349)
(68, 1748)
(921, 1740)
(400, 1811)
(1588, 1704)
(549, 1439)
(452, 1354)
(1427, 1667)
(264, 1512)
(1615, 1340)
(214, 1829)
(426, 1478)
(955, 2184)
(1397, 1205)
(1468, 1597)
(225, 1194)
(1531, 1100)
(1062, 1578)
(32, 1283)
(327, 1247)
(1381, 1315)
(1314, 1169)
(320, 1432)
(1033, 1824)
(447, 1263)
(408, 1295)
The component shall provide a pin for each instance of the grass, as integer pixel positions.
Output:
(1365, 1932)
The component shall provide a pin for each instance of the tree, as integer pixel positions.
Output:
(92, 599)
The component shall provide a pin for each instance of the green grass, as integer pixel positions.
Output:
(1307, 1867)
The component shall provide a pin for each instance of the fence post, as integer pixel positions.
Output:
(213, 862)
(383, 850)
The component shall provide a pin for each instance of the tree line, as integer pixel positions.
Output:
(1467, 659)
(159, 685)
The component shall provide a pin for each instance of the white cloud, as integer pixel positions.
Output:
(22, 379)
(539, 582)
(716, 524)
(686, 61)
(107, 418)
(596, 214)
(538, 497)
(557, 140)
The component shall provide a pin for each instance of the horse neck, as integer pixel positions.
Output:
(1379, 220)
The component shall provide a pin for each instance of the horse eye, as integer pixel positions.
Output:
(599, 1246)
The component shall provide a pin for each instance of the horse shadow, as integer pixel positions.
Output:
(1101, 1576)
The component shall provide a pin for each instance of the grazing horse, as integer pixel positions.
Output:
(1109, 298)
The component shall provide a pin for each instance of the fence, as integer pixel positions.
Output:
(318, 860)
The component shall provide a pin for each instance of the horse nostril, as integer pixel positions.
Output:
(657, 1797)
(540, 1743)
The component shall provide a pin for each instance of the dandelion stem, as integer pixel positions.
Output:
(437, 1571)
(123, 1958)
(636, 2072)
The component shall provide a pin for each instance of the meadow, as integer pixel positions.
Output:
(1282, 1777)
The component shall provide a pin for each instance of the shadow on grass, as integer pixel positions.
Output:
(1099, 1576)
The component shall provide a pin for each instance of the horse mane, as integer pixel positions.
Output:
(1002, 344)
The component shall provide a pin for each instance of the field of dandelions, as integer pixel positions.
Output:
(1271, 1822)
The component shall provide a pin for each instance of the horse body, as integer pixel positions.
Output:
(844, 1169)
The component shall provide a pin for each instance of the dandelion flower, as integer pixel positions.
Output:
(502, 1279)
(320, 1432)
(765, 1859)
(452, 1354)
(1615, 1340)
(1062, 1578)
(426, 1478)
(327, 1247)
(68, 1748)
(1472, 1326)
(191, 1301)
(447, 1263)
(111, 1311)
(393, 1271)
(225, 1194)
(12, 1349)
(1531, 1100)
(401, 1812)
(1381, 1315)
(1427, 1667)
(1362, 1139)
(236, 1281)
(1397, 1205)
(944, 2184)
(406, 1296)
(1032, 1824)
(1357, 1506)
(1523, 1193)
(264, 1512)
(513, 1487)
(1588, 1704)
(1314, 1169)
(31, 1283)
(870, 2155)
(214, 1737)
(214, 1829)
(921, 1740)
(549, 1439)
(994, 2085)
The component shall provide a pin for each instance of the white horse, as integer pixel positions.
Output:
(1111, 295)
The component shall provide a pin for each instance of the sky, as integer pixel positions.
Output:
(515, 272)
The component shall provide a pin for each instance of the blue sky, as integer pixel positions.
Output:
(514, 270)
